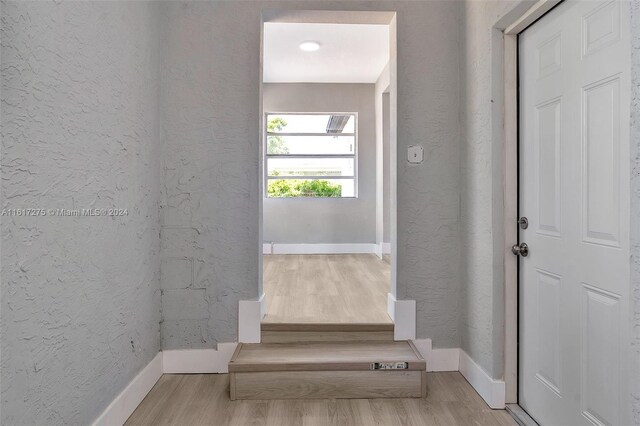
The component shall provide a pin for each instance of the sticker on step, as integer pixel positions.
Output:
(389, 365)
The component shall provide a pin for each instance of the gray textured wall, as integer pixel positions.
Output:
(211, 197)
(635, 207)
(326, 220)
(482, 300)
(80, 295)
(210, 127)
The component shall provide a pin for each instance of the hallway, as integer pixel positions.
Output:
(334, 289)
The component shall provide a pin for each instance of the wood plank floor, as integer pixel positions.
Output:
(339, 289)
(203, 399)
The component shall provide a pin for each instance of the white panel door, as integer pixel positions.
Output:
(574, 285)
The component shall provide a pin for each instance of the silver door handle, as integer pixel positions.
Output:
(521, 249)
(523, 222)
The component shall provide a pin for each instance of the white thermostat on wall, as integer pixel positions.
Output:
(414, 154)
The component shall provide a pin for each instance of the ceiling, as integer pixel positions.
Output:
(349, 53)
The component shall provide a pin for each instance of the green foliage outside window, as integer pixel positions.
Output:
(283, 188)
(276, 144)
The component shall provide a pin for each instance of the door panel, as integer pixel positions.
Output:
(600, 346)
(574, 72)
(601, 148)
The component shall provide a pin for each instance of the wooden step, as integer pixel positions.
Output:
(322, 332)
(327, 370)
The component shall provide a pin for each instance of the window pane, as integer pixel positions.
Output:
(310, 166)
(298, 145)
(311, 123)
(288, 188)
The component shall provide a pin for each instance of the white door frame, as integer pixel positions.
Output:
(402, 312)
(510, 26)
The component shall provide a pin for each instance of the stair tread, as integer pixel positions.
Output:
(325, 327)
(357, 355)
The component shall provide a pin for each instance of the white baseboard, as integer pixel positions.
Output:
(350, 248)
(386, 248)
(378, 252)
(128, 400)
(491, 390)
(404, 318)
(198, 361)
(447, 359)
(403, 314)
(250, 313)
(391, 306)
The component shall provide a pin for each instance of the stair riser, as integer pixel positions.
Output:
(328, 384)
(325, 336)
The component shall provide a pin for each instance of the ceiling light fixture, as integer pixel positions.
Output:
(309, 46)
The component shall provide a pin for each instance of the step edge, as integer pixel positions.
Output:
(240, 367)
(326, 327)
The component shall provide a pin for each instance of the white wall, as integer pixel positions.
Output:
(326, 220)
(80, 295)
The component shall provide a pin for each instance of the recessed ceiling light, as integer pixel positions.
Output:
(309, 46)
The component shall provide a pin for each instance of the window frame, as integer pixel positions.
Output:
(266, 155)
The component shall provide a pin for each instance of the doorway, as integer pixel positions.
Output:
(574, 195)
(326, 181)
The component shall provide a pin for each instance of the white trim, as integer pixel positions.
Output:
(391, 306)
(250, 313)
(491, 390)
(504, 77)
(199, 361)
(378, 251)
(530, 16)
(447, 359)
(128, 400)
(510, 214)
(403, 314)
(267, 248)
(404, 319)
(348, 248)
(386, 248)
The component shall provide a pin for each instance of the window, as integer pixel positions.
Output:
(311, 155)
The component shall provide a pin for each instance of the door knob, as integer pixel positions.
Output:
(521, 249)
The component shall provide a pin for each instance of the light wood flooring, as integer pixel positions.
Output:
(337, 289)
(203, 399)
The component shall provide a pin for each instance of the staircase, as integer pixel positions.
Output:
(297, 361)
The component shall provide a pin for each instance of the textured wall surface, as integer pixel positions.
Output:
(482, 281)
(635, 207)
(326, 220)
(210, 129)
(80, 295)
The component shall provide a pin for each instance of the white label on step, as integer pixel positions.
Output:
(389, 365)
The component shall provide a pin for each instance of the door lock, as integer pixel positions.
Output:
(523, 222)
(521, 249)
